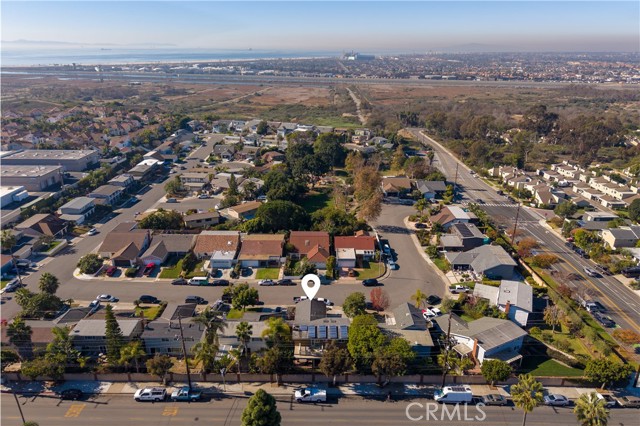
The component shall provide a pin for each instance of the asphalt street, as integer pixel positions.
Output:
(622, 303)
(122, 410)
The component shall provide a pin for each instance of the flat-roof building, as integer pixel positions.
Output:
(70, 160)
(33, 178)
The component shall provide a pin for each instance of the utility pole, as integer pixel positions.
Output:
(455, 181)
(184, 351)
(19, 407)
(447, 343)
(515, 225)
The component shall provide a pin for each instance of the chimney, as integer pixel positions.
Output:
(474, 352)
(507, 307)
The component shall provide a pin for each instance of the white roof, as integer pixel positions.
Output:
(345, 253)
(458, 212)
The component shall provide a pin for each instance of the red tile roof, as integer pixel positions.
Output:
(304, 241)
(364, 242)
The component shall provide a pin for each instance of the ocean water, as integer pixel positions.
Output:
(97, 56)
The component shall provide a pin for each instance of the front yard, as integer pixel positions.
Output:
(370, 270)
(174, 271)
(541, 366)
(441, 263)
(267, 273)
(150, 312)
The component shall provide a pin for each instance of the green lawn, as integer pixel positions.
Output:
(175, 271)
(267, 273)
(442, 264)
(5, 282)
(370, 270)
(150, 312)
(316, 200)
(238, 314)
(542, 366)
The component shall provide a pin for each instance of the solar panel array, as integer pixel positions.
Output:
(312, 331)
(332, 332)
(303, 328)
(344, 331)
(464, 231)
(322, 332)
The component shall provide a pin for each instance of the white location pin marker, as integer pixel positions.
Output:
(311, 285)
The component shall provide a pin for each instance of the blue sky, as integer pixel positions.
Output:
(330, 25)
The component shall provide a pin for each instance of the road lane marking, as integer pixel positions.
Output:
(170, 411)
(74, 410)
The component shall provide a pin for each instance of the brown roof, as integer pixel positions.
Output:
(260, 246)
(117, 241)
(362, 242)
(246, 207)
(304, 241)
(44, 223)
(128, 252)
(318, 254)
(210, 241)
(396, 183)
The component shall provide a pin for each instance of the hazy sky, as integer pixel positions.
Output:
(330, 25)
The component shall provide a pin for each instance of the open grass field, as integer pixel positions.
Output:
(316, 200)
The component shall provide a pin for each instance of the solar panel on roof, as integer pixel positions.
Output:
(322, 332)
(312, 331)
(333, 332)
(344, 331)
(464, 231)
(303, 328)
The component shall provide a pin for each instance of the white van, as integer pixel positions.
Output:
(454, 394)
(199, 281)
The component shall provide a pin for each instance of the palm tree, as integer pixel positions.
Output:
(19, 334)
(527, 394)
(591, 410)
(421, 205)
(244, 331)
(132, 351)
(7, 239)
(205, 353)
(212, 322)
(419, 298)
(48, 283)
(277, 331)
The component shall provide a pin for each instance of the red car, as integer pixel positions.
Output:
(110, 271)
(149, 268)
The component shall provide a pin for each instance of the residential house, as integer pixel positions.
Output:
(125, 247)
(202, 220)
(313, 329)
(451, 215)
(462, 237)
(346, 258)
(78, 209)
(547, 198)
(108, 194)
(89, 335)
(361, 136)
(484, 338)
(41, 336)
(195, 181)
(625, 236)
(407, 321)
(244, 211)
(163, 335)
(515, 298)
(6, 265)
(431, 189)
(488, 260)
(247, 153)
(124, 180)
(261, 250)
(378, 141)
(363, 244)
(228, 340)
(313, 245)
(225, 152)
(273, 156)
(163, 246)
(599, 216)
(220, 246)
(286, 128)
(43, 224)
(396, 186)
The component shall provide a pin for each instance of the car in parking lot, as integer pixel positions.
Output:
(494, 399)
(106, 298)
(147, 298)
(556, 400)
(371, 282)
(71, 394)
(266, 282)
(180, 281)
(285, 282)
(111, 270)
(186, 394)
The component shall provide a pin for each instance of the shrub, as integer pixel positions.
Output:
(563, 345)
(90, 263)
(130, 272)
(629, 337)
(534, 330)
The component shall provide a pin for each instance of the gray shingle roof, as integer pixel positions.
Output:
(310, 310)
(490, 332)
(516, 293)
(408, 316)
(97, 327)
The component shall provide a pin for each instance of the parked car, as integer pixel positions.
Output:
(106, 298)
(460, 289)
(606, 321)
(180, 281)
(433, 299)
(297, 299)
(147, 298)
(285, 282)
(371, 282)
(629, 401)
(325, 301)
(220, 282)
(591, 272)
(203, 196)
(494, 399)
(431, 313)
(186, 394)
(420, 225)
(633, 272)
(266, 282)
(556, 400)
(149, 268)
(92, 231)
(12, 286)
(94, 304)
(71, 394)
(171, 200)
(392, 265)
(609, 400)
(111, 270)
(155, 394)
(195, 299)
(310, 395)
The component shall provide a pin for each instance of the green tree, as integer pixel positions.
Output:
(495, 370)
(162, 219)
(7, 239)
(205, 353)
(606, 371)
(42, 367)
(48, 283)
(634, 211)
(174, 186)
(131, 353)
(159, 366)
(277, 332)
(527, 394)
(245, 297)
(354, 305)
(189, 262)
(334, 221)
(244, 331)
(364, 339)
(276, 360)
(591, 410)
(386, 364)
(277, 216)
(399, 158)
(233, 186)
(90, 263)
(262, 128)
(113, 336)
(419, 298)
(553, 316)
(331, 267)
(212, 322)
(61, 349)
(565, 209)
(261, 410)
(368, 193)
(280, 185)
(19, 334)
(452, 362)
(335, 360)
(421, 205)
(328, 147)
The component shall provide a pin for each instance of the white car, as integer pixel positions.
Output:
(310, 395)
(325, 301)
(92, 231)
(431, 313)
(556, 400)
(106, 298)
(460, 289)
(156, 394)
(203, 196)
(266, 282)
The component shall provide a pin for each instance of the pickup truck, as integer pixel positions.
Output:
(186, 394)
(460, 289)
(609, 401)
(310, 395)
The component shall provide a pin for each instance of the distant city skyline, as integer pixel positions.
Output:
(369, 27)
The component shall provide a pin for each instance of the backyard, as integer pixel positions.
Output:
(316, 200)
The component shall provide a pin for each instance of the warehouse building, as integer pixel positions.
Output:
(33, 178)
(70, 160)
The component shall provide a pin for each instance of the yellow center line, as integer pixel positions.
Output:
(170, 411)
